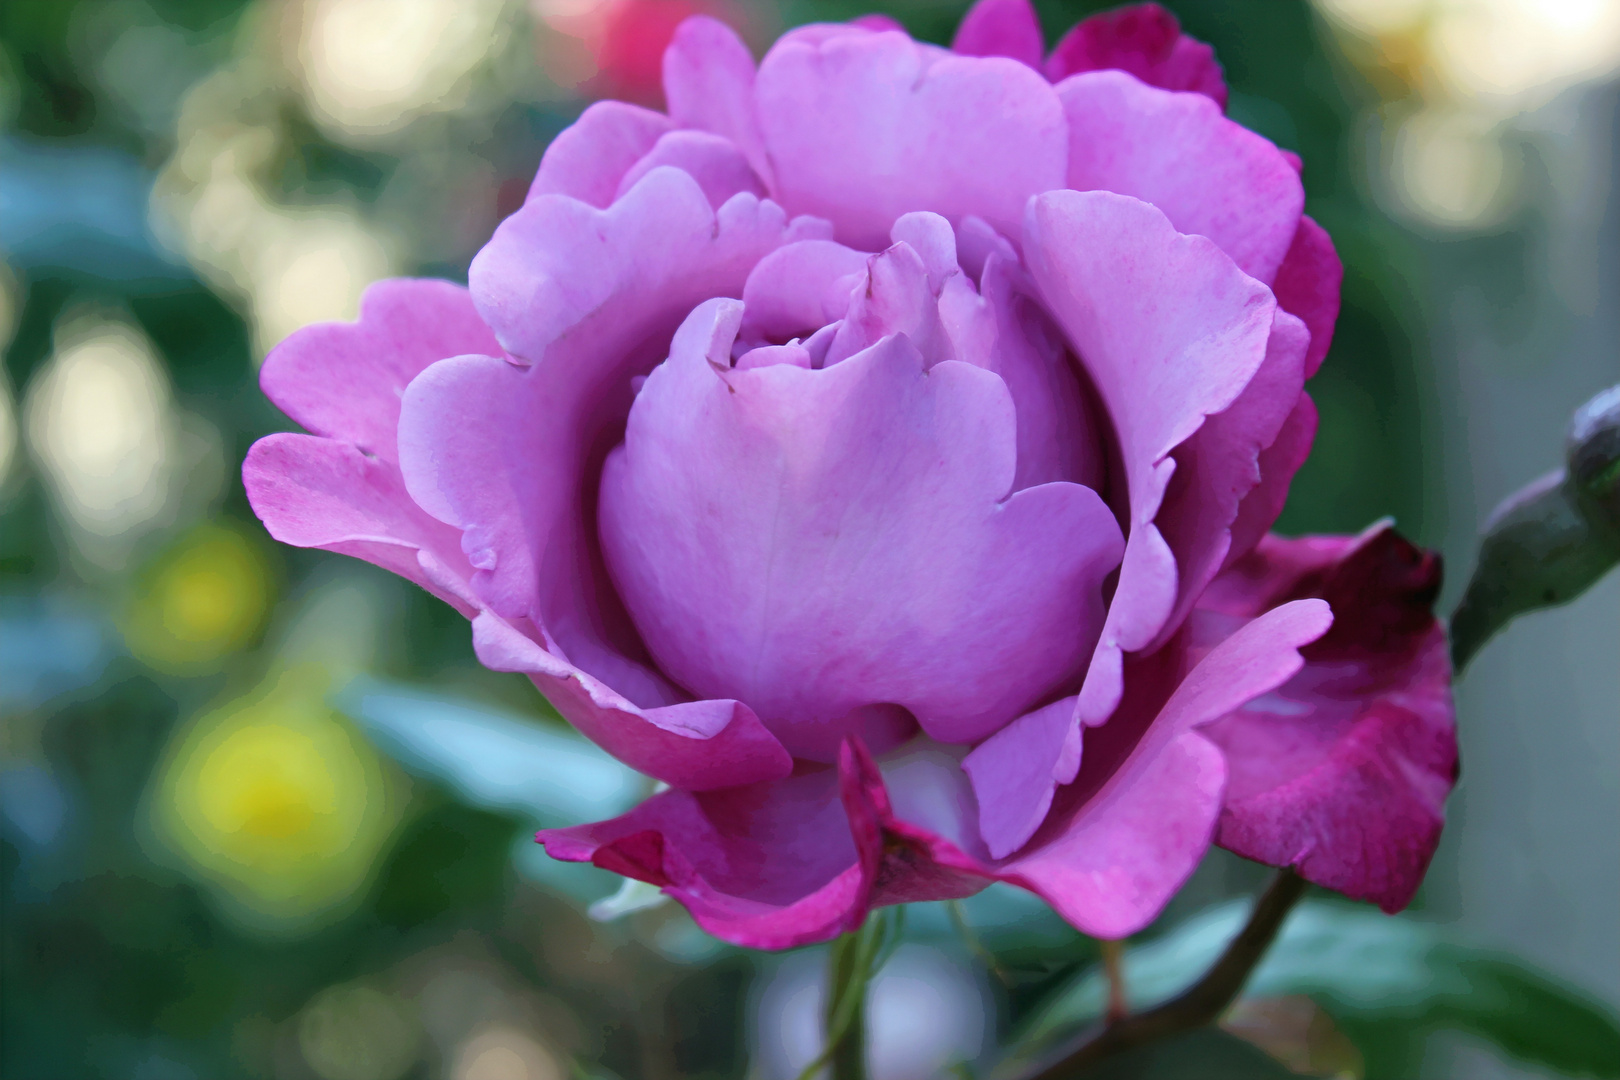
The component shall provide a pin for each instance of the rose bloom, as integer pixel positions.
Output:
(879, 448)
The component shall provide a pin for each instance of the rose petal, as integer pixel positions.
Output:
(1124, 837)
(719, 167)
(1307, 285)
(863, 128)
(1001, 28)
(844, 538)
(1342, 773)
(1211, 177)
(589, 157)
(344, 380)
(1170, 332)
(695, 745)
(795, 291)
(322, 493)
(1144, 40)
(590, 297)
(1279, 462)
(709, 84)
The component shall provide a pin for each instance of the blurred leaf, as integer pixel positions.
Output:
(1297, 1032)
(1386, 980)
(496, 761)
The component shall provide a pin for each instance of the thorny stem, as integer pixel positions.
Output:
(1200, 1004)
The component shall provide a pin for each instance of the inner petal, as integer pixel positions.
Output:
(819, 542)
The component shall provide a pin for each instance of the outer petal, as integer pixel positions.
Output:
(709, 84)
(1342, 773)
(1307, 285)
(322, 493)
(1145, 40)
(1171, 332)
(1001, 28)
(772, 866)
(590, 298)
(344, 380)
(588, 158)
(864, 127)
(695, 744)
(767, 866)
(1210, 176)
(1278, 463)
(818, 543)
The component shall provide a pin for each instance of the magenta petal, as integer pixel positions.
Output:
(1221, 464)
(764, 866)
(1210, 176)
(1124, 837)
(865, 127)
(1307, 285)
(322, 493)
(718, 166)
(1343, 772)
(818, 542)
(1278, 463)
(1001, 28)
(588, 158)
(1144, 40)
(894, 298)
(709, 84)
(1170, 332)
(696, 745)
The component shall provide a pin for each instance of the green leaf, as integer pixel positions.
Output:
(1386, 980)
(493, 760)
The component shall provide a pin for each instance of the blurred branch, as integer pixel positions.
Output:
(1553, 539)
(1199, 1005)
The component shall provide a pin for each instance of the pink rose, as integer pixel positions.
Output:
(879, 449)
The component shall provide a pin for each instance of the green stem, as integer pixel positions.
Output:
(852, 960)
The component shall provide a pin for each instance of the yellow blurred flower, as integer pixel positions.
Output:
(202, 599)
(277, 803)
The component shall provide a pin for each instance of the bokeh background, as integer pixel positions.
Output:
(261, 812)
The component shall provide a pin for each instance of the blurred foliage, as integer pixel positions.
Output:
(207, 869)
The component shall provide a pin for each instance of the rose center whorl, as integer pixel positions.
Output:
(834, 527)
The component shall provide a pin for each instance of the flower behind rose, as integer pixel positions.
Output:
(879, 449)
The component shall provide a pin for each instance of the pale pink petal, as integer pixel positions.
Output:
(1342, 773)
(820, 542)
(1170, 332)
(589, 157)
(1307, 285)
(863, 128)
(719, 167)
(589, 298)
(695, 745)
(1145, 40)
(709, 85)
(1211, 177)
(1001, 28)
